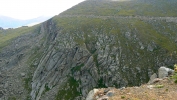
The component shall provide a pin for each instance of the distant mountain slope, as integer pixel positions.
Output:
(7, 22)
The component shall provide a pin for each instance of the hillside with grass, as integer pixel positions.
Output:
(95, 44)
(158, 8)
(6, 36)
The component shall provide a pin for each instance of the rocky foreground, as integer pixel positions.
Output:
(156, 89)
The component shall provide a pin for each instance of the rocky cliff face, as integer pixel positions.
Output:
(15, 62)
(69, 55)
(95, 59)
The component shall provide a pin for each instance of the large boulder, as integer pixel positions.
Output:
(164, 72)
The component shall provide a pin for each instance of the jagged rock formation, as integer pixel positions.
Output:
(70, 54)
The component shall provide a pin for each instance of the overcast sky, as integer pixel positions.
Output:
(28, 9)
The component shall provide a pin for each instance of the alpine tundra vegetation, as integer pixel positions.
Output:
(95, 44)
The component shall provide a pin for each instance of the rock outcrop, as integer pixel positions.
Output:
(91, 94)
(164, 88)
(129, 92)
(101, 94)
(164, 72)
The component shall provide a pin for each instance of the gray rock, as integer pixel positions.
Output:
(1, 94)
(164, 72)
(110, 94)
(141, 46)
(90, 95)
(23, 74)
(154, 76)
(6, 85)
(106, 90)
(150, 48)
(128, 35)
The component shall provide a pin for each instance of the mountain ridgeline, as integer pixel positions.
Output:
(97, 43)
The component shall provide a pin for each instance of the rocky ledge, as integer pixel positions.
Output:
(159, 87)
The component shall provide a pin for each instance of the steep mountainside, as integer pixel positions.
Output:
(98, 43)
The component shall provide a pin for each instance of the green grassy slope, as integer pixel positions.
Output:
(9, 34)
(124, 8)
(162, 34)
